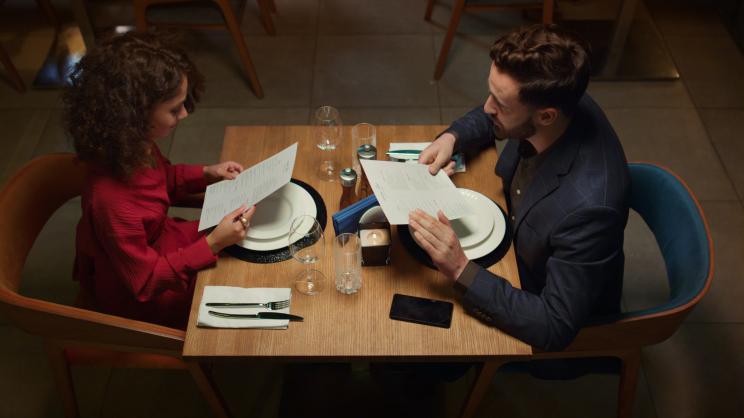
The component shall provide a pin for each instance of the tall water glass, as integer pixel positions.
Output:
(361, 133)
(328, 135)
(347, 263)
(307, 246)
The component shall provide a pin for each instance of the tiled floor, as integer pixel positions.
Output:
(374, 60)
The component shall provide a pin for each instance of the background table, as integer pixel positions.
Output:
(339, 326)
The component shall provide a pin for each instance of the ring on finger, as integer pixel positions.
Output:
(244, 221)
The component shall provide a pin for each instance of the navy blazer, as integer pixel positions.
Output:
(568, 231)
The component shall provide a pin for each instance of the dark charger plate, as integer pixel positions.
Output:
(486, 261)
(280, 254)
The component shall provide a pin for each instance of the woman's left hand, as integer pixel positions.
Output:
(222, 171)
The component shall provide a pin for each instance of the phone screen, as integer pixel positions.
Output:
(421, 311)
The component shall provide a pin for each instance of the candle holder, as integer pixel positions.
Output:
(374, 236)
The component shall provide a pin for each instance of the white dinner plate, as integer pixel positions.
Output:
(475, 228)
(275, 213)
(300, 202)
(494, 238)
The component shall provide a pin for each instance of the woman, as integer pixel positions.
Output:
(137, 262)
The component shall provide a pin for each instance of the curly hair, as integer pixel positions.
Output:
(115, 88)
(551, 65)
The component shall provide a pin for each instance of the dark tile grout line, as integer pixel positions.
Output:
(720, 107)
(311, 98)
(102, 405)
(436, 82)
(648, 385)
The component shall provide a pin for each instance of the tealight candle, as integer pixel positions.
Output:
(375, 237)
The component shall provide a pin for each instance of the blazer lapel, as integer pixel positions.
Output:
(507, 165)
(557, 163)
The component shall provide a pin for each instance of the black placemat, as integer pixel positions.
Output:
(486, 261)
(280, 254)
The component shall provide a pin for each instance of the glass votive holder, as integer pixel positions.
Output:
(361, 133)
(347, 263)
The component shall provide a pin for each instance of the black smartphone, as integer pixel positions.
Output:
(437, 313)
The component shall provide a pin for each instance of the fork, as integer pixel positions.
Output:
(268, 305)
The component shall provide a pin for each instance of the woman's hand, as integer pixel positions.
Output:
(231, 229)
(222, 171)
(439, 153)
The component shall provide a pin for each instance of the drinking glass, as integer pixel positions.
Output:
(361, 133)
(307, 246)
(328, 135)
(347, 263)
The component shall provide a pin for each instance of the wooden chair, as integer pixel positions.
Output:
(232, 25)
(15, 78)
(675, 217)
(461, 6)
(74, 335)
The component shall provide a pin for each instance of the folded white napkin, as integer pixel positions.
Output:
(231, 294)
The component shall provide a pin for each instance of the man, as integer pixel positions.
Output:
(566, 183)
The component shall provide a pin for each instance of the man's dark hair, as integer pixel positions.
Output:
(550, 64)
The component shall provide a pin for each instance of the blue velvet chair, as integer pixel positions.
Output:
(673, 214)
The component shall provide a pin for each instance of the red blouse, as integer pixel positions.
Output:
(135, 260)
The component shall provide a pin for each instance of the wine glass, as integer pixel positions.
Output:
(328, 134)
(306, 244)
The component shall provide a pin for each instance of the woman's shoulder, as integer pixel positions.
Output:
(104, 187)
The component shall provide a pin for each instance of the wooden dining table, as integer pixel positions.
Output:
(340, 327)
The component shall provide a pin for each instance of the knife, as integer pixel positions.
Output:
(260, 315)
(404, 153)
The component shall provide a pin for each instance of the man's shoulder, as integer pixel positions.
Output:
(598, 174)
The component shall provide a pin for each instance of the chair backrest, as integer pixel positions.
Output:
(27, 202)
(675, 217)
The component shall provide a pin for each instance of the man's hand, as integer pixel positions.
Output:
(222, 171)
(439, 240)
(439, 154)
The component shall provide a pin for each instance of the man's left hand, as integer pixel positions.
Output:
(439, 240)
(222, 171)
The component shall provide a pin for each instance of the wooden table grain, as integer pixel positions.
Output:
(357, 326)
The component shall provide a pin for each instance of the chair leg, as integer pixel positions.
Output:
(479, 388)
(628, 382)
(234, 28)
(429, 8)
(208, 389)
(454, 21)
(15, 78)
(264, 10)
(47, 8)
(548, 6)
(140, 14)
(63, 379)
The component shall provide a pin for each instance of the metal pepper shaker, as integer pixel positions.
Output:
(348, 185)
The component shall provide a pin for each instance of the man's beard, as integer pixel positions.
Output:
(523, 131)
